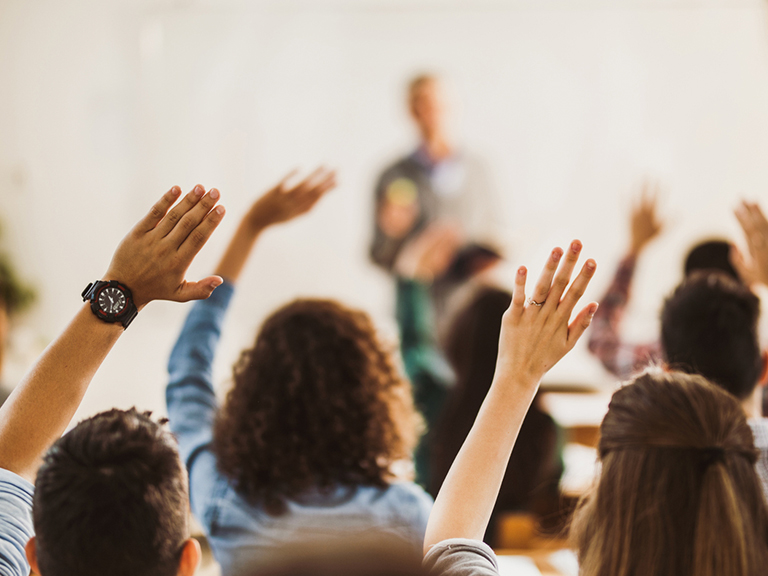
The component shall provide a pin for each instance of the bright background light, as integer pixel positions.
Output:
(105, 104)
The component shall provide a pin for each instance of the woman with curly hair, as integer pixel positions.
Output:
(308, 441)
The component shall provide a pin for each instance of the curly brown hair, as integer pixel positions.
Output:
(317, 402)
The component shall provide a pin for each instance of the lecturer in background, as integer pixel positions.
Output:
(434, 226)
(436, 183)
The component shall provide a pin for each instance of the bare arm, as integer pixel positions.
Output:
(754, 266)
(152, 261)
(279, 204)
(533, 339)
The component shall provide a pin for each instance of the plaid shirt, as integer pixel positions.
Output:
(620, 358)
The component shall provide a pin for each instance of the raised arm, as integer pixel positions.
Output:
(190, 395)
(280, 204)
(754, 267)
(622, 358)
(151, 261)
(535, 334)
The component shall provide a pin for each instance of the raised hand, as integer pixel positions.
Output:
(755, 266)
(645, 224)
(280, 204)
(151, 260)
(155, 255)
(283, 202)
(536, 333)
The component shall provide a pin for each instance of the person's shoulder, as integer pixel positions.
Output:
(15, 522)
(459, 557)
(409, 494)
(760, 432)
(14, 484)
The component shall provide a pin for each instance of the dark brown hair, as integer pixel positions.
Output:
(678, 492)
(316, 403)
(111, 498)
(709, 327)
(534, 468)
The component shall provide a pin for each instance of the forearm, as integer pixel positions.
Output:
(44, 402)
(466, 499)
(239, 249)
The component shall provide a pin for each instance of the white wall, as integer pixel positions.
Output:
(106, 104)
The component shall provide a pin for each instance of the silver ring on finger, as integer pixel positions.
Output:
(534, 303)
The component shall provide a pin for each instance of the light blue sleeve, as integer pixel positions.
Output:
(190, 396)
(15, 523)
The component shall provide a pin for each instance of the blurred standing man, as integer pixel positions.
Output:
(434, 219)
(437, 183)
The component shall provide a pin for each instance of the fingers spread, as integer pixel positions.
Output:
(177, 212)
(282, 186)
(545, 280)
(197, 238)
(518, 292)
(580, 324)
(576, 291)
(159, 210)
(563, 276)
(192, 218)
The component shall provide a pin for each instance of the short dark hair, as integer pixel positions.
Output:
(709, 327)
(111, 498)
(711, 255)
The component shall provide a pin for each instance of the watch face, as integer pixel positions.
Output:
(112, 300)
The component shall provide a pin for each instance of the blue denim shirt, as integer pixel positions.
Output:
(242, 535)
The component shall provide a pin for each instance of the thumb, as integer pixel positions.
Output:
(199, 290)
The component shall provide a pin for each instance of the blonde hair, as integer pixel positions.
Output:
(678, 493)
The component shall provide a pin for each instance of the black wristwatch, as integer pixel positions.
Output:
(111, 301)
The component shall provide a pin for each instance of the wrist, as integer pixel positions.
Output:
(508, 378)
(254, 224)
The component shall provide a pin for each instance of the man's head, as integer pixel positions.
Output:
(425, 103)
(709, 327)
(111, 498)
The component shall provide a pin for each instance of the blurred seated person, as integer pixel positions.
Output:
(434, 254)
(535, 333)
(15, 297)
(313, 436)
(621, 358)
(677, 491)
(709, 327)
(531, 483)
(470, 349)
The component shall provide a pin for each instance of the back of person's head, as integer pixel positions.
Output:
(711, 255)
(317, 402)
(111, 498)
(472, 341)
(678, 492)
(709, 327)
(471, 346)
